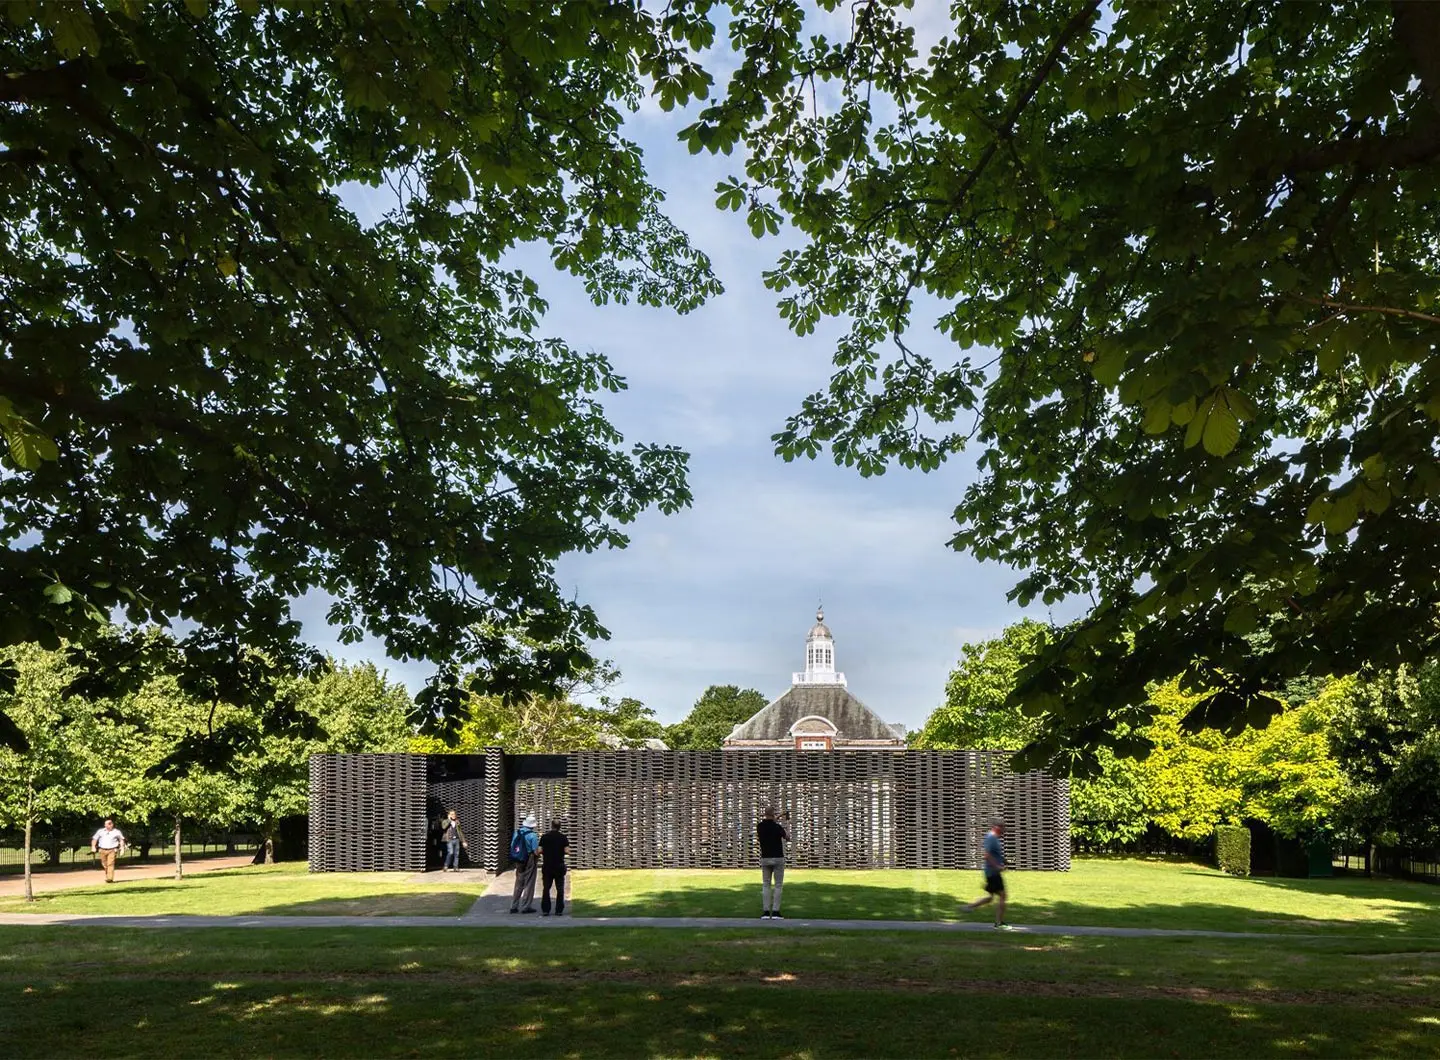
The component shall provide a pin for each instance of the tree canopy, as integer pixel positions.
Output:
(718, 710)
(158, 756)
(221, 388)
(1352, 757)
(1185, 267)
(976, 712)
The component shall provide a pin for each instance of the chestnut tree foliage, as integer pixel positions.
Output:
(220, 388)
(1184, 262)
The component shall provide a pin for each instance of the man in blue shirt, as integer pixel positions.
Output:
(526, 843)
(994, 848)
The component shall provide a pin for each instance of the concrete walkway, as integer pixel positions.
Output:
(486, 919)
(91, 875)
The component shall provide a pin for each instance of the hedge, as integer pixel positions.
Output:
(1232, 849)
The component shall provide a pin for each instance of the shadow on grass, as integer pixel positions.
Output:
(830, 900)
(363, 1015)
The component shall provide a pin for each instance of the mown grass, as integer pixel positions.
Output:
(1095, 892)
(742, 992)
(286, 889)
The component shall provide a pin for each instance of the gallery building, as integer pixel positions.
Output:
(818, 712)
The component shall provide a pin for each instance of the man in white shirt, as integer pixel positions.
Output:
(109, 843)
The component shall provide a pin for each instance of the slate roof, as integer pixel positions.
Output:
(852, 719)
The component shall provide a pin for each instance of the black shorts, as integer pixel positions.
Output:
(995, 884)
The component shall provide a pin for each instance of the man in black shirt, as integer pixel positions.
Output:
(773, 836)
(553, 845)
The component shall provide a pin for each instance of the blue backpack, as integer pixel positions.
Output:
(519, 846)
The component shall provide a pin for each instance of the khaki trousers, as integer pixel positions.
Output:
(107, 862)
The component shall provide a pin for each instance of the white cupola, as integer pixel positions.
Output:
(819, 656)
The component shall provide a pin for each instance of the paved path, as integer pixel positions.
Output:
(91, 875)
(485, 920)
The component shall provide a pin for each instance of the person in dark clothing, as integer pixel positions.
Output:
(553, 845)
(454, 839)
(773, 836)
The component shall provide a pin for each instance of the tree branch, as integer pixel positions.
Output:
(63, 81)
(1350, 307)
(22, 156)
(1417, 31)
(1079, 21)
(1368, 153)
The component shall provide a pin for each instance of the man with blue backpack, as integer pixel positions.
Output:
(523, 847)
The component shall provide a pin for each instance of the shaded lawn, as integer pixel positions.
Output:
(285, 889)
(748, 992)
(1109, 892)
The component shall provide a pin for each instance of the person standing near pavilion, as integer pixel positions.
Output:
(109, 843)
(994, 853)
(524, 853)
(553, 845)
(454, 839)
(773, 836)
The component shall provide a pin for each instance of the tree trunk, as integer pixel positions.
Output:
(29, 890)
(178, 869)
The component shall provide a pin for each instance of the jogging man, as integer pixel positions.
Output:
(994, 849)
(109, 843)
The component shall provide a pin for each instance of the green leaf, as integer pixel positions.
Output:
(28, 447)
(1215, 424)
(1242, 620)
(1344, 510)
(73, 28)
(1109, 363)
(1157, 417)
(57, 593)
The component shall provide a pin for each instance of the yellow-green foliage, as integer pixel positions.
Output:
(1192, 780)
(1232, 849)
(1292, 782)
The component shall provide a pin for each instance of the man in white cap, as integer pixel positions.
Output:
(523, 846)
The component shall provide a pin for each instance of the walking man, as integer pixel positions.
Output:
(454, 840)
(524, 847)
(109, 843)
(994, 848)
(773, 836)
(553, 845)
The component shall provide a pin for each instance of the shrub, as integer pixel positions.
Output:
(1232, 849)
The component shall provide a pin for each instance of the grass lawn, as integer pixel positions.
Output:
(1126, 893)
(741, 992)
(285, 889)
(1121, 893)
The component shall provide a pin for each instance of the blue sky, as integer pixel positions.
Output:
(724, 592)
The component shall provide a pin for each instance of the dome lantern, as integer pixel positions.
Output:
(819, 656)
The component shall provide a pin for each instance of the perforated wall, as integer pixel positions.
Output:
(691, 809)
(368, 813)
